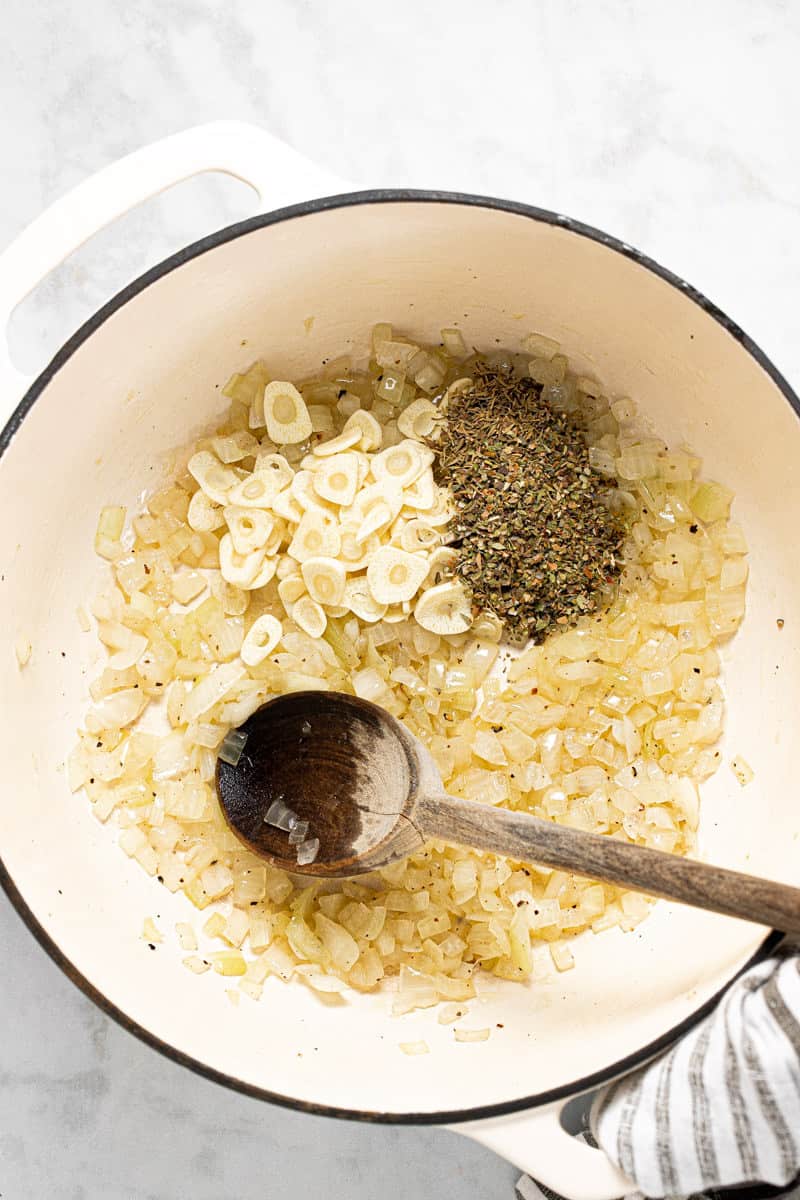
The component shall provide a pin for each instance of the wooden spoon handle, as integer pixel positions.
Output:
(530, 839)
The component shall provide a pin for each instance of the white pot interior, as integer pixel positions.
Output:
(143, 383)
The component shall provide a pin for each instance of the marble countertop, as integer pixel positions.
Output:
(671, 126)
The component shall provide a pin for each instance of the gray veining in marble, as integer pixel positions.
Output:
(672, 126)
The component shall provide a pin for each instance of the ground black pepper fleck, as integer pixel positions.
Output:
(537, 543)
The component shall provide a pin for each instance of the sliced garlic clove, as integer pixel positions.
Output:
(459, 388)
(336, 479)
(369, 498)
(325, 579)
(284, 505)
(421, 494)
(394, 614)
(276, 536)
(440, 564)
(417, 535)
(275, 467)
(355, 555)
(303, 491)
(315, 535)
(337, 610)
(234, 600)
(360, 600)
(444, 609)
(285, 414)
(204, 515)
(249, 527)
(261, 639)
(238, 569)
(309, 463)
(370, 434)
(400, 465)
(257, 491)
(290, 589)
(345, 441)
(396, 530)
(488, 627)
(363, 461)
(310, 616)
(441, 510)
(419, 420)
(287, 567)
(264, 575)
(378, 517)
(395, 575)
(216, 480)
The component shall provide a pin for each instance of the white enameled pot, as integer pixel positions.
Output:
(139, 379)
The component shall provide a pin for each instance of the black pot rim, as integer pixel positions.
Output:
(230, 233)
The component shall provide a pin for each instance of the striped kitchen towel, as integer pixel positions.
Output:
(529, 1189)
(722, 1107)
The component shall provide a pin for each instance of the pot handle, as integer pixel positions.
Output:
(278, 174)
(537, 1143)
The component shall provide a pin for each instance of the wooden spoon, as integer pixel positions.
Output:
(372, 794)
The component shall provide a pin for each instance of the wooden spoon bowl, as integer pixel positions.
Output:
(372, 794)
(342, 764)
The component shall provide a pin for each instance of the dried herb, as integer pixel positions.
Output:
(537, 542)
